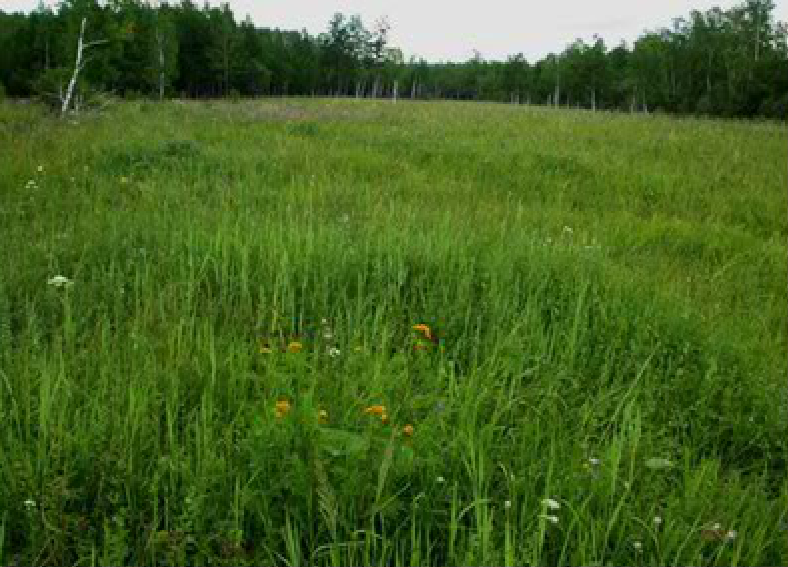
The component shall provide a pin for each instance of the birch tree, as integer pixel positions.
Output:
(79, 64)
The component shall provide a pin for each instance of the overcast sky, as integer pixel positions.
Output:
(451, 30)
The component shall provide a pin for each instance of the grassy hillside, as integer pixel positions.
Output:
(596, 376)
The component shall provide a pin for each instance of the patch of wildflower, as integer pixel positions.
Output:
(375, 410)
(60, 281)
(282, 408)
(716, 532)
(551, 504)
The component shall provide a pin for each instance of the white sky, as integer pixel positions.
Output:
(451, 30)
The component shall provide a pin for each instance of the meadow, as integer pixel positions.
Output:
(340, 332)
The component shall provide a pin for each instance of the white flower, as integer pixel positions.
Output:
(507, 504)
(40, 169)
(551, 504)
(333, 351)
(637, 545)
(440, 480)
(568, 230)
(731, 535)
(60, 281)
(658, 463)
(593, 461)
(657, 521)
(30, 503)
(549, 518)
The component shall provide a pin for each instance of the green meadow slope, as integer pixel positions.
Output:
(230, 375)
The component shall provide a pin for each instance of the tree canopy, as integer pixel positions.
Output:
(719, 62)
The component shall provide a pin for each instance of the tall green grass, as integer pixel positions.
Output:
(608, 294)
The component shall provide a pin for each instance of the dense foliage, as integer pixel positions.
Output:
(724, 62)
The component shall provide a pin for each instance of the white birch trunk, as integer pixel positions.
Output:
(77, 68)
(79, 64)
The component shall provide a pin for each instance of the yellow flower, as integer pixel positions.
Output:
(384, 419)
(424, 329)
(295, 346)
(322, 416)
(376, 410)
(264, 348)
(408, 430)
(282, 407)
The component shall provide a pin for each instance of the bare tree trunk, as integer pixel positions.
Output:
(708, 74)
(79, 64)
(593, 100)
(160, 43)
(376, 87)
(395, 91)
(413, 89)
(77, 68)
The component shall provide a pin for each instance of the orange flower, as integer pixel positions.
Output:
(282, 407)
(295, 346)
(376, 410)
(424, 329)
(408, 430)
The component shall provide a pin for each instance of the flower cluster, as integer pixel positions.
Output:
(283, 407)
(550, 505)
(380, 411)
(60, 281)
(425, 340)
(266, 347)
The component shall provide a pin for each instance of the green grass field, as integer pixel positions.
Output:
(604, 380)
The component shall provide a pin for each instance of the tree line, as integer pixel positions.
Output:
(718, 62)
